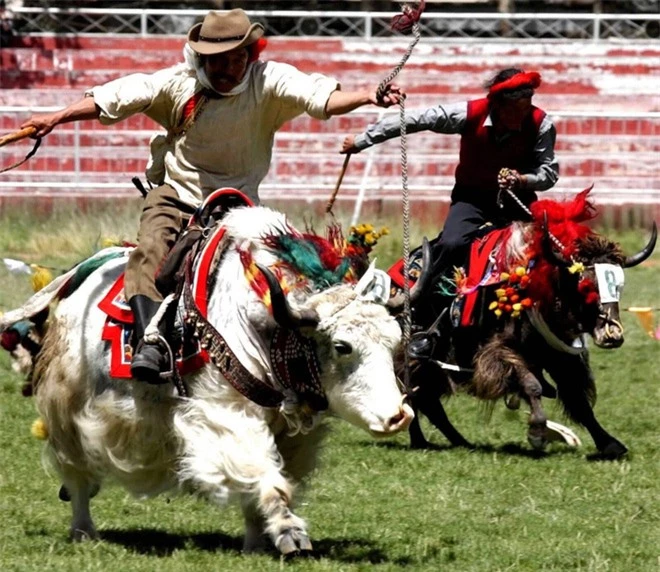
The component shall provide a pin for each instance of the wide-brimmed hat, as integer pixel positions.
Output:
(223, 31)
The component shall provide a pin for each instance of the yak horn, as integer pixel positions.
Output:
(285, 316)
(422, 283)
(541, 326)
(643, 254)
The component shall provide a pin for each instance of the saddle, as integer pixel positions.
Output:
(470, 281)
(118, 328)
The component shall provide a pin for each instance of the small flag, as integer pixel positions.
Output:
(645, 317)
(17, 266)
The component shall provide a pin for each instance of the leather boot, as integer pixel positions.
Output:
(148, 359)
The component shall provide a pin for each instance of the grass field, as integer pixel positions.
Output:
(373, 504)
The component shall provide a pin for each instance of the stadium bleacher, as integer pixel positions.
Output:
(599, 95)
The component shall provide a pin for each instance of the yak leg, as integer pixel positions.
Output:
(225, 452)
(576, 391)
(436, 414)
(299, 453)
(431, 386)
(532, 391)
(80, 489)
(417, 439)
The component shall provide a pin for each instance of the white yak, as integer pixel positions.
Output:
(216, 441)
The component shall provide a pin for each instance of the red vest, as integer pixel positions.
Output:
(482, 157)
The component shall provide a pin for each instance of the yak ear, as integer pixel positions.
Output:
(284, 315)
(643, 254)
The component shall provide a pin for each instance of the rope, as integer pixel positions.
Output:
(407, 21)
(408, 11)
(28, 156)
(506, 180)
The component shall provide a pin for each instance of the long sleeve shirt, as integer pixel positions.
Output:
(230, 142)
(450, 119)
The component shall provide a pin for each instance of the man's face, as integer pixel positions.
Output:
(510, 113)
(225, 71)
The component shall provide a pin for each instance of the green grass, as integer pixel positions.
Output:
(373, 505)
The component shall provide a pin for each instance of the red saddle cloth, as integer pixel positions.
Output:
(119, 322)
(480, 250)
(476, 278)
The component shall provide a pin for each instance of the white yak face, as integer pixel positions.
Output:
(356, 341)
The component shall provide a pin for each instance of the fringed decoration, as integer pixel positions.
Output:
(565, 222)
(403, 23)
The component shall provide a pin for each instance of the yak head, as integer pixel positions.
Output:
(355, 341)
(590, 284)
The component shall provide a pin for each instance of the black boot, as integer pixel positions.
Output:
(148, 359)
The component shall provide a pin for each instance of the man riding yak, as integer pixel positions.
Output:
(501, 131)
(221, 108)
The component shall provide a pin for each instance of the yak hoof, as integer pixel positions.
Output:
(536, 435)
(419, 444)
(293, 542)
(83, 533)
(614, 450)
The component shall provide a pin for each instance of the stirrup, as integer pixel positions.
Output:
(148, 363)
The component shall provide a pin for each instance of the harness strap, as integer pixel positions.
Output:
(221, 354)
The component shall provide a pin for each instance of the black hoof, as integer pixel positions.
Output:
(611, 452)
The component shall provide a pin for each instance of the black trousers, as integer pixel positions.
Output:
(451, 248)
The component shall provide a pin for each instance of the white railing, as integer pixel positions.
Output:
(493, 26)
(363, 182)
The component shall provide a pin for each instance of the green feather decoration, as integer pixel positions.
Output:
(302, 255)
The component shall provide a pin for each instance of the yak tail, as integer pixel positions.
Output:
(495, 367)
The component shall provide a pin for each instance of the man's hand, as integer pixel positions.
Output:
(43, 123)
(348, 146)
(511, 180)
(392, 95)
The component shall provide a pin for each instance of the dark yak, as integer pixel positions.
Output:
(522, 311)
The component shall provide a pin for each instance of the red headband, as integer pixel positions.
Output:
(520, 80)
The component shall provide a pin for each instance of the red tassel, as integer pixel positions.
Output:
(404, 22)
(256, 48)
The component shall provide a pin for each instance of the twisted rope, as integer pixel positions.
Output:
(405, 22)
(410, 14)
(505, 180)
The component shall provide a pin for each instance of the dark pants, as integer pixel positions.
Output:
(452, 246)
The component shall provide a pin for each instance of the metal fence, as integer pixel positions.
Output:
(434, 25)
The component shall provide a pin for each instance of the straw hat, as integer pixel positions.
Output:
(223, 31)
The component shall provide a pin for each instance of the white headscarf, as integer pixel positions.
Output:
(193, 61)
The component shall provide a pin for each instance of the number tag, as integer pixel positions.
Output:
(610, 282)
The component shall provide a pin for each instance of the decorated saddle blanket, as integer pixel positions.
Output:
(469, 284)
(480, 273)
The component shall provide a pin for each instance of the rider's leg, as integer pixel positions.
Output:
(163, 217)
(449, 250)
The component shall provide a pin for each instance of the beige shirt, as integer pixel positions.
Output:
(230, 143)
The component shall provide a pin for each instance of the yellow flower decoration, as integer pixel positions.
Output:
(39, 430)
(41, 277)
(576, 267)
